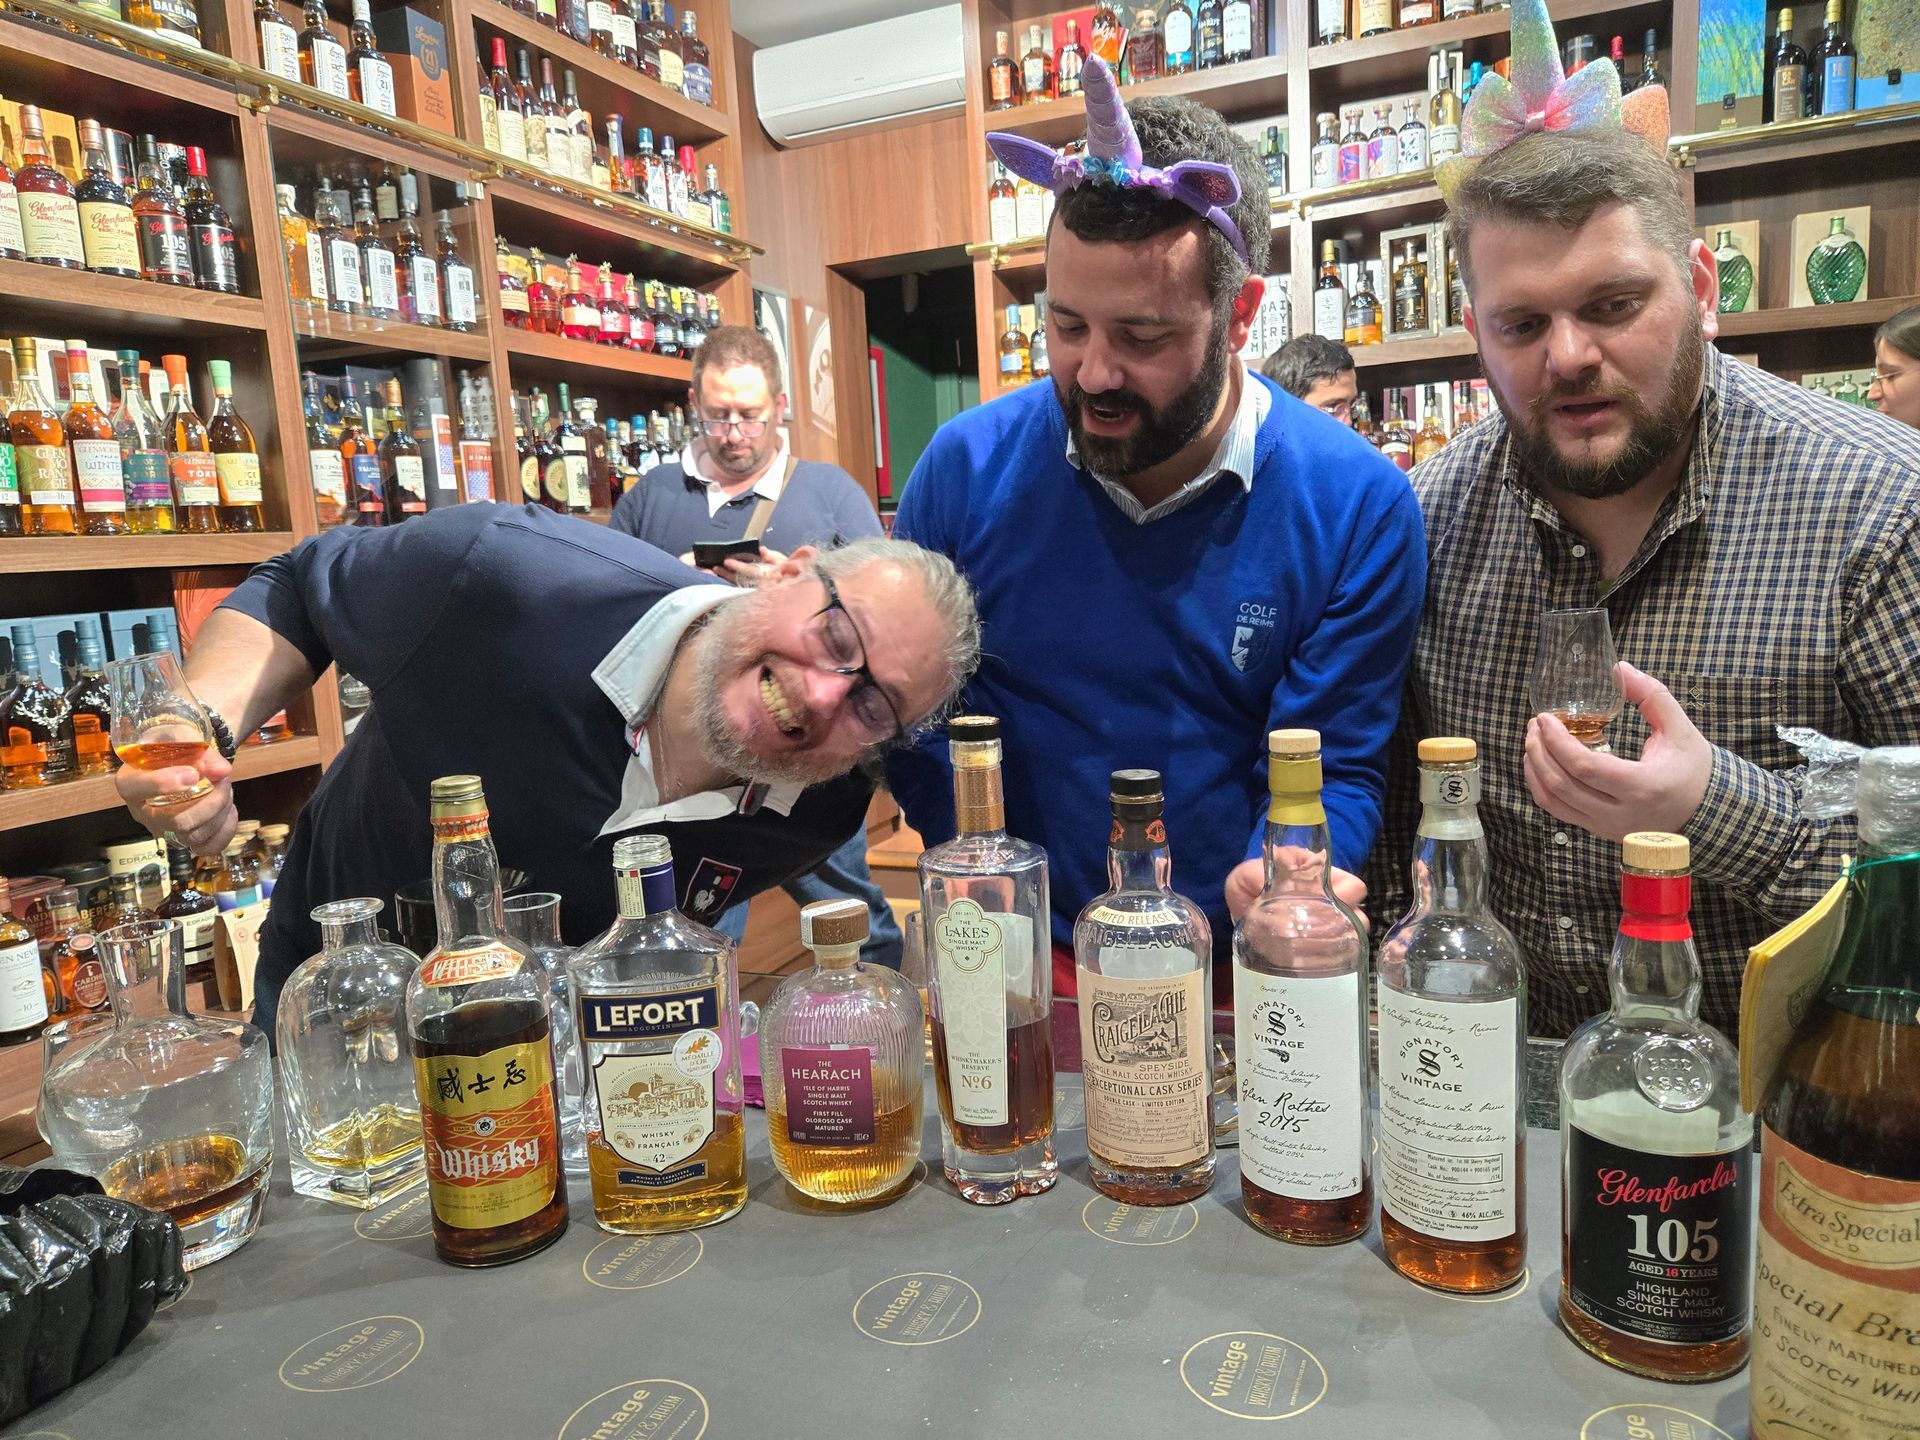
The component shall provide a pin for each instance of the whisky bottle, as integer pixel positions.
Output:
(190, 462)
(369, 76)
(1003, 76)
(1656, 1190)
(360, 457)
(550, 121)
(216, 263)
(1176, 38)
(656, 1006)
(176, 22)
(1788, 78)
(323, 59)
(325, 466)
(456, 278)
(1363, 310)
(279, 41)
(1324, 159)
(235, 458)
(1353, 149)
(141, 435)
(49, 214)
(1838, 1299)
(1016, 367)
(346, 280)
(1036, 69)
(1300, 1023)
(579, 313)
(416, 273)
(575, 496)
(1106, 36)
(1071, 60)
(990, 984)
(1418, 12)
(1452, 1007)
(305, 253)
(89, 726)
(475, 452)
(1143, 955)
(1650, 62)
(1330, 295)
(97, 472)
(45, 466)
(23, 996)
(550, 463)
(192, 907)
(38, 750)
(1833, 63)
(841, 1047)
(1374, 17)
(403, 474)
(696, 79)
(1396, 436)
(543, 301)
(13, 243)
(1039, 362)
(479, 1018)
(1431, 438)
(1409, 294)
(677, 178)
(1329, 21)
(1236, 31)
(376, 259)
(509, 106)
(514, 307)
(1002, 207)
(615, 324)
(1443, 112)
(10, 522)
(1383, 146)
(1413, 139)
(107, 235)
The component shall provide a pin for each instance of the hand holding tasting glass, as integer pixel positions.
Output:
(1575, 675)
(158, 724)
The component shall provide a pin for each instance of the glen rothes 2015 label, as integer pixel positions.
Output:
(1658, 1246)
(1302, 1069)
(488, 1119)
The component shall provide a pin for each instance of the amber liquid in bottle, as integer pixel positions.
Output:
(1029, 1085)
(1467, 1267)
(623, 1212)
(236, 460)
(844, 1169)
(48, 501)
(98, 477)
(196, 476)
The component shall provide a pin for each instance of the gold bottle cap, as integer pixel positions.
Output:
(826, 923)
(454, 796)
(1448, 750)
(1290, 743)
(236, 846)
(275, 832)
(246, 827)
(1655, 850)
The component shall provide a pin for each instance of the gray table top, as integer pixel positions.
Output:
(1060, 1315)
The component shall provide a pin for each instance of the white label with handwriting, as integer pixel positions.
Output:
(1302, 1068)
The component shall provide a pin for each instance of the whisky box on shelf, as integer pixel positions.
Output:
(415, 44)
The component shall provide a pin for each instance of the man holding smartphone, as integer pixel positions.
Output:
(737, 502)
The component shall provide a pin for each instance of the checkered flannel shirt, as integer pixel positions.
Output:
(1779, 584)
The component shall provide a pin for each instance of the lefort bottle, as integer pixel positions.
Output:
(1452, 1007)
(990, 984)
(656, 1009)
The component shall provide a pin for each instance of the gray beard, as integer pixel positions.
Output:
(725, 646)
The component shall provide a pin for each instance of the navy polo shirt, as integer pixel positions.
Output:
(819, 505)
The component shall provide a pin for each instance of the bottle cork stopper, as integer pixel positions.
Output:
(1654, 850)
(1448, 750)
(1293, 742)
(826, 923)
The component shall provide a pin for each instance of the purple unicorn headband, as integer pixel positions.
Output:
(1113, 158)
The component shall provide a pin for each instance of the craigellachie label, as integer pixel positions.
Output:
(1836, 1319)
(1658, 1245)
(1144, 1055)
(492, 1151)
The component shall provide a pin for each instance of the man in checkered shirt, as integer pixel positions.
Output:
(1753, 544)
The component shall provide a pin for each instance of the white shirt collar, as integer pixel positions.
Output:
(632, 676)
(767, 487)
(1233, 456)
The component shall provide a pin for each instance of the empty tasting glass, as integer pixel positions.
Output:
(533, 919)
(1574, 674)
(157, 722)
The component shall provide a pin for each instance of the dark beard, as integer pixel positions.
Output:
(1656, 432)
(1161, 434)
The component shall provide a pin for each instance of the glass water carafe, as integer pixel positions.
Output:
(169, 1110)
(534, 920)
(346, 1067)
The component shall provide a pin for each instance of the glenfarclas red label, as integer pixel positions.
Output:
(1660, 1246)
(166, 249)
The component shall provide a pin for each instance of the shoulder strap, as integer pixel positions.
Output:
(763, 511)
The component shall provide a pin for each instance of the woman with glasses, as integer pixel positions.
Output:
(1896, 368)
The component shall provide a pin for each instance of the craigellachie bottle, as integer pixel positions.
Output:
(989, 984)
(1144, 958)
(477, 1012)
(1300, 1023)
(658, 1014)
(1656, 1196)
(1453, 1034)
(1838, 1292)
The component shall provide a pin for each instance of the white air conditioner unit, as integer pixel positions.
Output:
(811, 89)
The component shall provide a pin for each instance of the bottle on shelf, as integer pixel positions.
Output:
(1443, 111)
(236, 460)
(1789, 81)
(13, 242)
(1431, 438)
(1330, 295)
(525, 453)
(512, 288)
(1176, 37)
(532, 113)
(1383, 146)
(23, 995)
(79, 979)
(1329, 21)
(1452, 994)
(1325, 156)
(1002, 207)
(657, 1003)
(141, 436)
(369, 76)
(1209, 34)
(416, 272)
(107, 237)
(376, 259)
(480, 1022)
(576, 484)
(509, 106)
(1236, 32)
(1071, 60)
(1016, 366)
(11, 526)
(1413, 139)
(1039, 363)
(403, 473)
(660, 43)
(543, 301)
(48, 505)
(640, 333)
(1273, 157)
(1833, 64)
(360, 458)
(1649, 62)
(549, 461)
(1353, 149)
(305, 251)
(1363, 309)
(1146, 46)
(324, 463)
(190, 460)
(1417, 12)
(579, 131)
(89, 706)
(458, 308)
(614, 325)
(1396, 436)
(216, 263)
(1300, 1023)
(1410, 308)
(719, 206)
(1656, 1150)
(279, 41)
(49, 214)
(677, 178)
(190, 904)
(1003, 75)
(174, 22)
(323, 59)
(346, 289)
(1459, 9)
(1374, 17)
(97, 473)
(1143, 954)
(38, 749)
(475, 454)
(697, 61)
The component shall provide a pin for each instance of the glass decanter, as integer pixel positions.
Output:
(1736, 274)
(169, 1110)
(346, 1067)
(1837, 266)
(841, 1053)
(533, 918)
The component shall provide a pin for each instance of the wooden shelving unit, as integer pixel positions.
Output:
(574, 355)
(86, 797)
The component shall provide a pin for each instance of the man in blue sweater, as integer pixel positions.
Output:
(738, 480)
(1171, 556)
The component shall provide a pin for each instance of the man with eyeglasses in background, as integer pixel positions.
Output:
(1318, 371)
(738, 481)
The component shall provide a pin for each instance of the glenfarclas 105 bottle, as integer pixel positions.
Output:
(1838, 1277)
(477, 1012)
(1656, 1195)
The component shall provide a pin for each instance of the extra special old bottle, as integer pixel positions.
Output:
(1143, 956)
(989, 984)
(1656, 1201)
(477, 1014)
(656, 1007)
(1838, 1298)
(841, 1052)
(1300, 1023)
(1452, 1004)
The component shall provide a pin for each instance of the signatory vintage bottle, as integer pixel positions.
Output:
(657, 1010)
(1656, 1201)
(1143, 958)
(169, 1110)
(841, 1050)
(346, 1068)
(1838, 1298)
(1300, 1023)
(477, 1014)
(989, 984)
(1453, 1011)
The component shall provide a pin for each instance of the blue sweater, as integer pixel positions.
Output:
(1173, 646)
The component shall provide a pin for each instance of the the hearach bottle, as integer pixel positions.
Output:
(477, 1012)
(656, 999)
(1838, 1292)
(1144, 960)
(1453, 1010)
(1656, 1202)
(1300, 1023)
(989, 984)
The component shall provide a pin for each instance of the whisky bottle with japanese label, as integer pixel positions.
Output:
(483, 1066)
(658, 1015)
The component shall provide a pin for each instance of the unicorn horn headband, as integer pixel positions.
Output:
(1542, 98)
(1113, 158)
